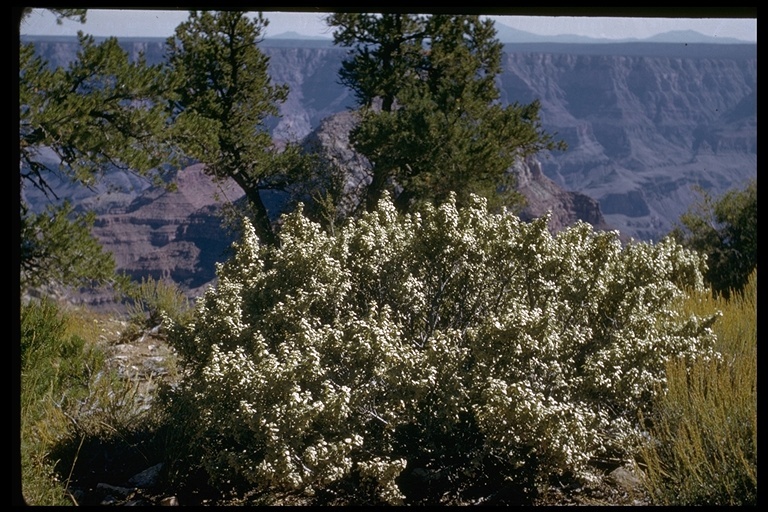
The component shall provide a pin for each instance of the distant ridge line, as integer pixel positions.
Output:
(505, 34)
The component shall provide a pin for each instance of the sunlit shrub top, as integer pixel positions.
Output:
(309, 360)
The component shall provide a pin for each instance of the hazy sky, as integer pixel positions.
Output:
(161, 23)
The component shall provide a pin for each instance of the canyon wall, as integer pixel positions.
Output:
(645, 123)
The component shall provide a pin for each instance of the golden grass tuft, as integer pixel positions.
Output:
(704, 435)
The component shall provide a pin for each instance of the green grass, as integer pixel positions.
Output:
(54, 374)
(67, 392)
(704, 449)
(150, 298)
(71, 400)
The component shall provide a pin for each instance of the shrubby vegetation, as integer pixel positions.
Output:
(704, 449)
(150, 299)
(448, 354)
(725, 229)
(466, 345)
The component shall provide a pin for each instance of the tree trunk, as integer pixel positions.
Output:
(261, 223)
(375, 189)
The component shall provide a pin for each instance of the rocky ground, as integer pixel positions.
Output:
(126, 473)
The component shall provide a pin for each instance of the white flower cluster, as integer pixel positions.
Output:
(309, 361)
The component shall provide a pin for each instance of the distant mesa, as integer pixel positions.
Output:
(691, 36)
(507, 34)
(295, 35)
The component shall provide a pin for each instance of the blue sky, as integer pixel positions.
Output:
(161, 23)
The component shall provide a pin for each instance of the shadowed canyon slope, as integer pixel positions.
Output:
(645, 124)
(642, 130)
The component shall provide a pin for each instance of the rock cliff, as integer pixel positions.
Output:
(176, 235)
(643, 130)
(331, 141)
(544, 195)
(644, 122)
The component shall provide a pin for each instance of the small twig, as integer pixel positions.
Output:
(72, 469)
(374, 414)
(73, 499)
(69, 417)
(304, 466)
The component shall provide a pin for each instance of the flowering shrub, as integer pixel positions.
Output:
(466, 343)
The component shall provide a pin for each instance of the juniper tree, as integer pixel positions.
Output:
(440, 126)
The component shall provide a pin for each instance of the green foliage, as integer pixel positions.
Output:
(52, 363)
(56, 368)
(101, 111)
(725, 229)
(58, 246)
(223, 96)
(387, 50)
(704, 449)
(73, 405)
(439, 127)
(456, 341)
(152, 299)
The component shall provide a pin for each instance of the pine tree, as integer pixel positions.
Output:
(208, 102)
(223, 97)
(387, 51)
(440, 126)
(103, 111)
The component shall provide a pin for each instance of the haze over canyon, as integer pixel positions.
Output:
(645, 124)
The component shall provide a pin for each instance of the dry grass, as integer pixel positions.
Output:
(705, 429)
(69, 393)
